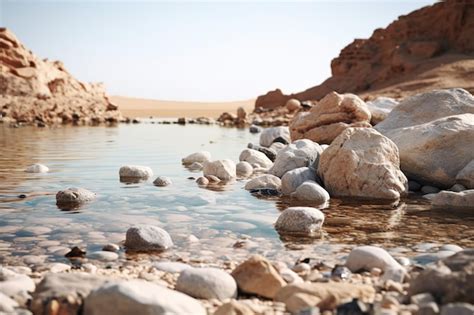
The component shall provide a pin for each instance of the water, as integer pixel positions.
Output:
(90, 157)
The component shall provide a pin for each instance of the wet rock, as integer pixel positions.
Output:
(103, 256)
(301, 153)
(222, 169)
(111, 248)
(362, 163)
(37, 168)
(7, 305)
(457, 309)
(135, 171)
(75, 252)
(294, 178)
(256, 275)
(427, 189)
(449, 198)
(340, 272)
(13, 284)
(330, 117)
(465, 176)
(171, 266)
(207, 283)
(299, 220)
(380, 107)
(162, 181)
(243, 169)
(326, 296)
(212, 178)
(265, 192)
(264, 182)
(199, 157)
(293, 105)
(195, 166)
(311, 191)
(234, 308)
(255, 157)
(202, 181)
(255, 129)
(139, 297)
(268, 135)
(147, 238)
(74, 196)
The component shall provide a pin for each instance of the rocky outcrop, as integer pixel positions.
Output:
(329, 117)
(415, 53)
(36, 91)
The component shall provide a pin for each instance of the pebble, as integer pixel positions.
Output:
(202, 181)
(207, 283)
(103, 256)
(162, 181)
(171, 266)
(37, 168)
(147, 238)
(135, 171)
(111, 248)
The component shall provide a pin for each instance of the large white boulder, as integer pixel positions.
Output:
(294, 178)
(361, 162)
(268, 135)
(301, 153)
(300, 220)
(265, 181)
(255, 157)
(223, 169)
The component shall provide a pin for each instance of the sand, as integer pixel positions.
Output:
(137, 107)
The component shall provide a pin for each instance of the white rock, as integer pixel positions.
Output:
(311, 191)
(294, 178)
(454, 199)
(59, 267)
(7, 305)
(171, 266)
(465, 176)
(264, 181)
(300, 220)
(207, 283)
(162, 181)
(135, 171)
(243, 169)
(255, 157)
(290, 276)
(139, 297)
(12, 283)
(147, 238)
(74, 196)
(200, 157)
(222, 169)
(269, 134)
(277, 146)
(380, 108)
(103, 255)
(37, 168)
(196, 166)
(301, 153)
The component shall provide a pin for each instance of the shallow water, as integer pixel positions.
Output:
(90, 157)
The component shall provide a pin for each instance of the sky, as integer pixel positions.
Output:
(197, 51)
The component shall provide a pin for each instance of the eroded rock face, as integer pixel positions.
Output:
(329, 117)
(301, 153)
(43, 92)
(361, 162)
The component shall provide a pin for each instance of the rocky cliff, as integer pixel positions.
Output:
(430, 48)
(42, 92)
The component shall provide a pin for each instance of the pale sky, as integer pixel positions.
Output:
(203, 51)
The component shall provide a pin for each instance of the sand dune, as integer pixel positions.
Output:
(137, 107)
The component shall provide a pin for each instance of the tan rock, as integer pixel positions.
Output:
(326, 296)
(361, 162)
(327, 119)
(256, 275)
(241, 113)
(293, 105)
(234, 308)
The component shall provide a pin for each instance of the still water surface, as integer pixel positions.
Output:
(90, 157)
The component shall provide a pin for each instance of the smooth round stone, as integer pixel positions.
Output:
(111, 248)
(103, 255)
(457, 188)
(135, 171)
(368, 257)
(147, 238)
(264, 182)
(162, 181)
(433, 257)
(171, 266)
(424, 247)
(74, 196)
(311, 191)
(427, 189)
(196, 166)
(244, 169)
(207, 283)
(202, 181)
(199, 157)
(37, 168)
(404, 261)
(300, 220)
(451, 247)
(192, 239)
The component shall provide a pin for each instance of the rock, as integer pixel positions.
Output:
(299, 220)
(330, 117)
(64, 291)
(341, 272)
(12, 283)
(111, 248)
(135, 172)
(311, 191)
(199, 157)
(293, 105)
(241, 113)
(171, 266)
(139, 297)
(301, 153)
(75, 252)
(264, 182)
(368, 257)
(457, 309)
(234, 308)
(277, 147)
(290, 276)
(451, 247)
(74, 196)
(256, 275)
(37, 168)
(147, 238)
(255, 157)
(269, 152)
(380, 107)
(429, 258)
(202, 181)
(427, 189)
(103, 256)
(453, 199)
(465, 176)
(212, 178)
(255, 129)
(436, 151)
(428, 309)
(326, 296)
(413, 186)
(59, 267)
(195, 166)
(207, 283)
(7, 305)
(355, 307)
(243, 169)
(162, 181)
(457, 188)
(222, 169)
(294, 178)
(268, 135)
(362, 163)
(265, 192)
(422, 299)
